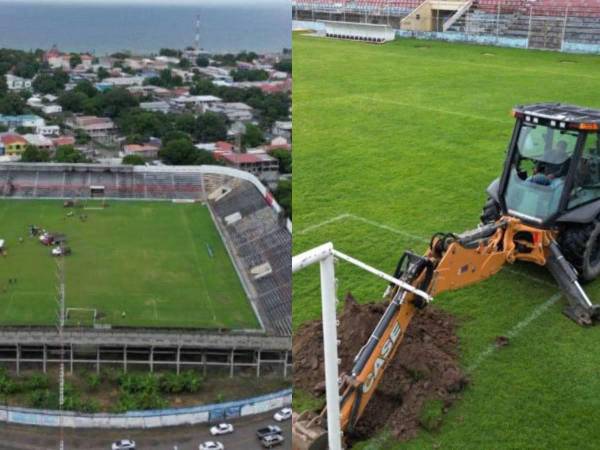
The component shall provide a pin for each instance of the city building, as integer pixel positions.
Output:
(15, 83)
(101, 129)
(235, 111)
(14, 144)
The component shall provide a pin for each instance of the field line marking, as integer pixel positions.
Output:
(408, 235)
(198, 265)
(429, 108)
(325, 222)
(516, 330)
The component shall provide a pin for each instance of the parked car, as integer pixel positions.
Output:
(211, 445)
(268, 431)
(272, 440)
(283, 414)
(222, 428)
(124, 444)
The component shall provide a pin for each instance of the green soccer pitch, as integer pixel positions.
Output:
(395, 142)
(138, 264)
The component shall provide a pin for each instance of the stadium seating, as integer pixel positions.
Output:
(257, 238)
(542, 23)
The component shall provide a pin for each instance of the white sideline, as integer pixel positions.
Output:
(512, 333)
(516, 330)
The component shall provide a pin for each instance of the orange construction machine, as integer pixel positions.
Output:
(544, 209)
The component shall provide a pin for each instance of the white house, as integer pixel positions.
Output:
(15, 83)
(51, 109)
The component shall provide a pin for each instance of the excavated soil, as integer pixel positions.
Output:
(425, 368)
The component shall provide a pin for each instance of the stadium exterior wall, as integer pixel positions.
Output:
(151, 418)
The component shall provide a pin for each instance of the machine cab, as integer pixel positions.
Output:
(553, 163)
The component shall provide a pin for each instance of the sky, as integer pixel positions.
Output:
(150, 2)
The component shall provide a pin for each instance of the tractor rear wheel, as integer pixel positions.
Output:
(491, 212)
(581, 246)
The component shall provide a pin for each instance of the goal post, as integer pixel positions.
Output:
(325, 256)
(81, 316)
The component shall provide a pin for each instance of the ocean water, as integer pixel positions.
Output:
(102, 29)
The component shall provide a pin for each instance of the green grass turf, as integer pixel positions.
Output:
(408, 135)
(147, 259)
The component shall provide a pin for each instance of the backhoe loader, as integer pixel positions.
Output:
(544, 209)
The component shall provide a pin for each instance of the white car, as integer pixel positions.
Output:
(283, 414)
(211, 445)
(125, 444)
(222, 428)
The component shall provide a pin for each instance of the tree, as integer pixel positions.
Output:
(74, 60)
(87, 88)
(202, 61)
(170, 52)
(175, 135)
(249, 75)
(185, 63)
(69, 154)
(33, 154)
(285, 160)
(211, 127)
(285, 65)
(102, 73)
(166, 79)
(134, 160)
(253, 136)
(12, 104)
(73, 101)
(51, 83)
(183, 152)
(81, 137)
(179, 152)
(283, 194)
(3, 85)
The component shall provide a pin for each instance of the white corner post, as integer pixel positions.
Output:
(324, 256)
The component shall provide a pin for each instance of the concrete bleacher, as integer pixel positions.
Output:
(258, 237)
(75, 181)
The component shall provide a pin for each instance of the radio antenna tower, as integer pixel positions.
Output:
(197, 37)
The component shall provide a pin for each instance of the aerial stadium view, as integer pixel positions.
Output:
(145, 225)
(405, 114)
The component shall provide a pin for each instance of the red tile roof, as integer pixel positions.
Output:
(9, 139)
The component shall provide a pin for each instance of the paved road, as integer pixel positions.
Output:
(18, 437)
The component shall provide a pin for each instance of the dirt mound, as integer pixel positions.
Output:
(421, 382)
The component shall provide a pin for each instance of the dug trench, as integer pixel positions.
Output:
(420, 384)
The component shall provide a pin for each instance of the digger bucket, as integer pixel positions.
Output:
(307, 432)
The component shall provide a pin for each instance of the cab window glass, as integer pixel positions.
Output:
(586, 186)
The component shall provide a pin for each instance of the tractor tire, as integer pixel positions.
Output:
(491, 212)
(581, 246)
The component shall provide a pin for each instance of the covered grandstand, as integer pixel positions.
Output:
(568, 25)
(261, 235)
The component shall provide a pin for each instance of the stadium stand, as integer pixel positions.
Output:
(261, 235)
(545, 24)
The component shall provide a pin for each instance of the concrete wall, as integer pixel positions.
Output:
(152, 418)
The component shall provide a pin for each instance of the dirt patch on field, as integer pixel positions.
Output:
(422, 381)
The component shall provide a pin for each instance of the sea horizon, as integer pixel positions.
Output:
(144, 28)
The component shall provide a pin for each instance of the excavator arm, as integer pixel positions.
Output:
(451, 262)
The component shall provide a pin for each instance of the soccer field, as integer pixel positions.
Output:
(136, 263)
(396, 142)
